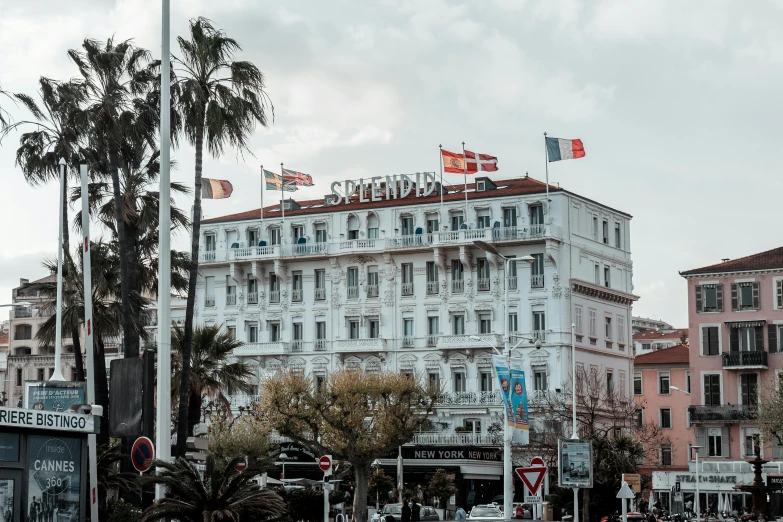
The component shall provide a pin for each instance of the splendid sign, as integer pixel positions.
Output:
(398, 186)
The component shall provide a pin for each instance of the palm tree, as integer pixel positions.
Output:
(56, 136)
(116, 78)
(212, 374)
(222, 494)
(110, 478)
(106, 311)
(5, 116)
(220, 100)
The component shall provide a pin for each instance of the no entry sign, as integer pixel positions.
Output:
(142, 454)
(325, 463)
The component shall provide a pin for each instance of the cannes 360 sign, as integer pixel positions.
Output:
(398, 186)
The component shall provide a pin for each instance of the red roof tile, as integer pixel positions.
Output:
(674, 354)
(659, 334)
(761, 261)
(505, 187)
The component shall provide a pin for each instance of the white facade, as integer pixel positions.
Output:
(398, 285)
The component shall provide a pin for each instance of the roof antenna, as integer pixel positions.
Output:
(526, 175)
(724, 259)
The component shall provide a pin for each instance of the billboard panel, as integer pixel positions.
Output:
(575, 463)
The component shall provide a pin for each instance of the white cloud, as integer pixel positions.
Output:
(287, 17)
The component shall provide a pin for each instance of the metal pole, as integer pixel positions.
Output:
(87, 272)
(574, 433)
(697, 503)
(465, 188)
(58, 335)
(508, 479)
(163, 439)
(440, 162)
(326, 498)
(546, 167)
(576, 505)
(282, 206)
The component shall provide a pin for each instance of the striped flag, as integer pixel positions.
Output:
(292, 177)
(468, 163)
(215, 188)
(558, 149)
(276, 182)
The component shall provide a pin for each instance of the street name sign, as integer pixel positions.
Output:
(46, 420)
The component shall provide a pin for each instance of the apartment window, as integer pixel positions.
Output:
(779, 294)
(512, 274)
(485, 323)
(749, 450)
(482, 272)
(663, 383)
(709, 298)
(578, 319)
(372, 226)
(274, 332)
(710, 340)
(610, 385)
(210, 242)
(597, 274)
(407, 226)
(19, 379)
(407, 278)
(537, 271)
(483, 219)
(513, 323)
(433, 380)
(353, 283)
(23, 332)
(665, 415)
(617, 235)
(40, 374)
(485, 381)
(539, 323)
(298, 233)
(432, 330)
(595, 228)
(274, 283)
(666, 454)
(745, 296)
(607, 276)
(591, 322)
(252, 291)
(432, 224)
(536, 215)
(432, 277)
(620, 329)
(608, 328)
(232, 332)
(320, 335)
(274, 236)
(775, 337)
(637, 383)
(457, 220)
(539, 380)
(352, 228)
(458, 324)
(374, 329)
(252, 334)
(296, 293)
(605, 230)
(252, 238)
(639, 417)
(459, 382)
(372, 281)
(353, 329)
(320, 381)
(320, 234)
(712, 390)
(688, 381)
(320, 285)
(749, 383)
(510, 219)
(457, 276)
(715, 443)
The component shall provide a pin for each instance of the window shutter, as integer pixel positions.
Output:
(734, 339)
(724, 442)
(705, 340)
(719, 297)
(699, 305)
(714, 342)
(759, 339)
(779, 292)
(756, 304)
(773, 337)
(734, 296)
(702, 439)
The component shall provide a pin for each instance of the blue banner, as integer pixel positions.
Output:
(504, 379)
(519, 399)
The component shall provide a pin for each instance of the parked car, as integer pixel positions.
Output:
(427, 513)
(486, 512)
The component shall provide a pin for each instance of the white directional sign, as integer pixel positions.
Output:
(46, 420)
(533, 499)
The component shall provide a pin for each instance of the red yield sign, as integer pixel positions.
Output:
(533, 476)
(325, 463)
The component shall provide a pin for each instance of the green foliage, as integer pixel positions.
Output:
(440, 486)
(120, 511)
(380, 484)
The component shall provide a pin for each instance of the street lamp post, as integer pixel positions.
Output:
(283, 457)
(508, 479)
(377, 464)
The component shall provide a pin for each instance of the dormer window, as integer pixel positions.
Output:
(481, 186)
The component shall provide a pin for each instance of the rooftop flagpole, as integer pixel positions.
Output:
(546, 167)
(261, 220)
(465, 173)
(442, 217)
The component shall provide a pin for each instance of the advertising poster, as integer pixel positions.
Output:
(575, 459)
(53, 396)
(53, 483)
(519, 399)
(514, 392)
(504, 379)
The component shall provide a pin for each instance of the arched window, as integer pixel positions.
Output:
(372, 226)
(353, 227)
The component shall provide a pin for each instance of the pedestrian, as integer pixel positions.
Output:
(415, 511)
(653, 516)
(405, 516)
(460, 514)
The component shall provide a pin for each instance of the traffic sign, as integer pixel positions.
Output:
(625, 492)
(532, 477)
(142, 453)
(537, 462)
(533, 499)
(634, 480)
(325, 463)
(242, 465)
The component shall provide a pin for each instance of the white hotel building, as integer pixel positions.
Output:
(397, 284)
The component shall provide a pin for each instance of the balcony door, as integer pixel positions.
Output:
(749, 383)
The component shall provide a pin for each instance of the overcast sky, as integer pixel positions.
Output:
(677, 103)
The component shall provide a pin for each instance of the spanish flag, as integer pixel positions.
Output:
(215, 188)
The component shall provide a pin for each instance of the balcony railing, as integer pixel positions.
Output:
(320, 294)
(408, 341)
(353, 292)
(360, 244)
(432, 340)
(252, 298)
(407, 288)
(372, 290)
(512, 282)
(297, 345)
(465, 341)
(251, 349)
(433, 288)
(359, 345)
(320, 345)
(539, 335)
(456, 439)
(483, 284)
(742, 360)
(274, 296)
(537, 280)
(537, 230)
(470, 398)
(457, 286)
(740, 412)
(21, 313)
(231, 299)
(296, 295)
(209, 301)
(207, 256)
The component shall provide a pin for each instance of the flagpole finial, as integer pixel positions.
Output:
(440, 146)
(544, 133)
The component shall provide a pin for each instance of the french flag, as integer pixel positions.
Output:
(558, 149)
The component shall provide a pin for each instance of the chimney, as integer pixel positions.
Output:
(724, 259)
(23, 281)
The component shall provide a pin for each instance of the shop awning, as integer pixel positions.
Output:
(745, 324)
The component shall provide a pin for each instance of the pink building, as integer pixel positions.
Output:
(657, 376)
(735, 317)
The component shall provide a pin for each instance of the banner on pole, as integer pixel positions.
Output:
(514, 392)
